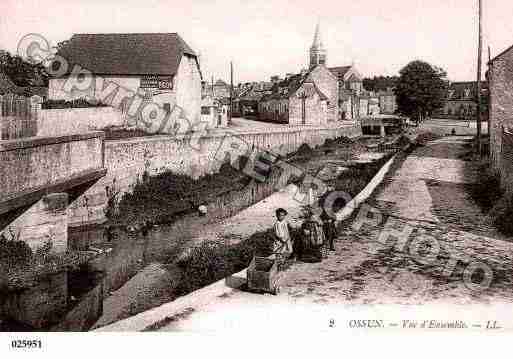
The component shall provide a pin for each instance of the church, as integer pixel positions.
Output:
(315, 96)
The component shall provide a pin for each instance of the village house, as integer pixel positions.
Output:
(245, 103)
(161, 66)
(461, 100)
(350, 87)
(295, 101)
(221, 89)
(214, 111)
(387, 102)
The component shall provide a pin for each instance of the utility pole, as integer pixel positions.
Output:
(231, 93)
(479, 51)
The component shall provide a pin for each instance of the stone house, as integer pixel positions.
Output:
(500, 84)
(461, 100)
(387, 102)
(350, 87)
(161, 66)
(296, 100)
(245, 103)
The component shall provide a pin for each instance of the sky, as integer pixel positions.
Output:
(265, 38)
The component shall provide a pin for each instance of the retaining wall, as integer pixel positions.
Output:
(128, 160)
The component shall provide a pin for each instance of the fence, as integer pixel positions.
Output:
(18, 116)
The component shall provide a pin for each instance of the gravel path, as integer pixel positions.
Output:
(428, 193)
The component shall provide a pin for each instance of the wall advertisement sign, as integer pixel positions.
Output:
(157, 82)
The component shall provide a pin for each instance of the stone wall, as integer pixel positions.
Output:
(127, 160)
(316, 112)
(501, 102)
(67, 121)
(36, 162)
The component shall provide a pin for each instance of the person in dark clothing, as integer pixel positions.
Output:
(330, 229)
(312, 237)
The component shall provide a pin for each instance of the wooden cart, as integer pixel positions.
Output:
(262, 275)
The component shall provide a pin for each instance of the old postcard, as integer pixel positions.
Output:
(255, 167)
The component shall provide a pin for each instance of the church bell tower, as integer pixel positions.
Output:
(317, 51)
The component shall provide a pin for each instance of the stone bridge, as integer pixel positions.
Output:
(40, 177)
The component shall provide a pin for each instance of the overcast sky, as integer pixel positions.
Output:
(265, 38)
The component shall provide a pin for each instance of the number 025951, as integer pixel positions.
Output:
(26, 344)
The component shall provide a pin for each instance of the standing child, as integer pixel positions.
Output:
(330, 229)
(283, 242)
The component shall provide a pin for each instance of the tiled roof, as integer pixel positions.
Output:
(288, 87)
(127, 54)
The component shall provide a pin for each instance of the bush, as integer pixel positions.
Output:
(304, 151)
(212, 261)
(14, 254)
(502, 213)
(487, 191)
(161, 198)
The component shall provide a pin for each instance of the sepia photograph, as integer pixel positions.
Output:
(255, 167)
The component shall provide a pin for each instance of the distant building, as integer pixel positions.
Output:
(461, 100)
(160, 66)
(374, 108)
(245, 104)
(221, 89)
(387, 102)
(214, 112)
(295, 101)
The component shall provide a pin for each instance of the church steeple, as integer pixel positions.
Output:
(317, 51)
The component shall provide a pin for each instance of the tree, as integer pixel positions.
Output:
(421, 89)
(21, 72)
